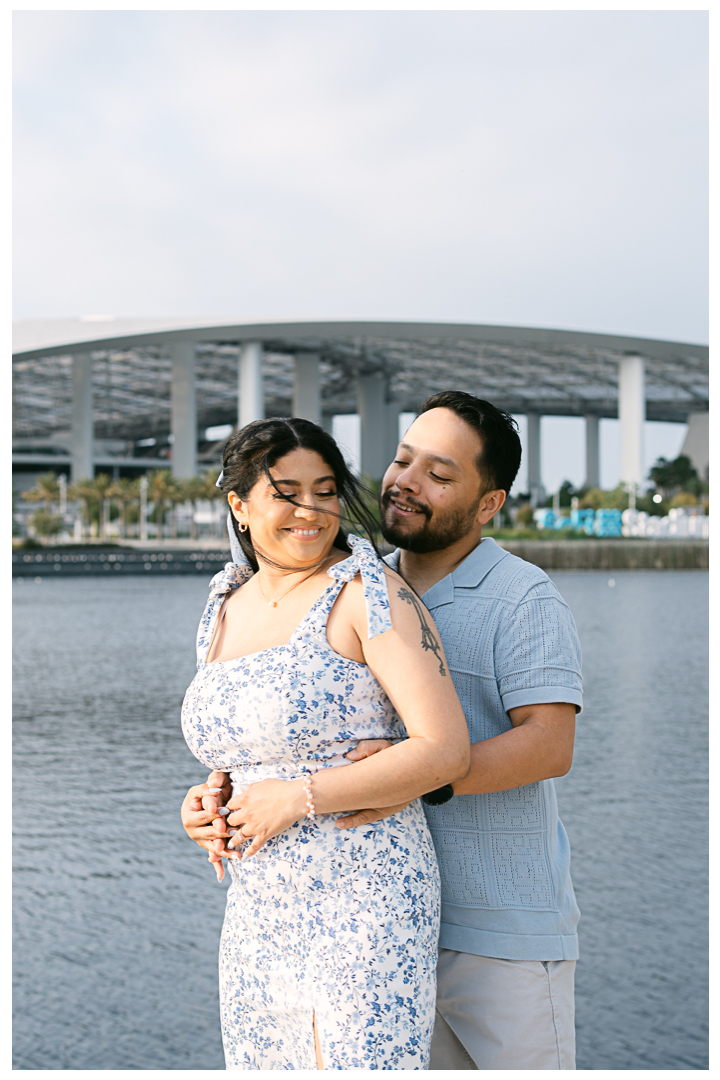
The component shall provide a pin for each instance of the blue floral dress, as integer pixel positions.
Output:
(342, 924)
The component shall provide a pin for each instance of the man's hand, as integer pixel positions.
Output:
(368, 817)
(203, 823)
(366, 749)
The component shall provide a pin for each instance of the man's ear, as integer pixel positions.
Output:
(490, 503)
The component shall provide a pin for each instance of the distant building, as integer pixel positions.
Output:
(125, 395)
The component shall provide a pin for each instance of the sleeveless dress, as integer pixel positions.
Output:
(342, 924)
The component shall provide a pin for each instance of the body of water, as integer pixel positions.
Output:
(117, 915)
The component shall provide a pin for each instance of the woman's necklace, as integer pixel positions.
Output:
(274, 603)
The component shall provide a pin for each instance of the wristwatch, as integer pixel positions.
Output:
(439, 795)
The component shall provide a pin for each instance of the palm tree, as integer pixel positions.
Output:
(103, 484)
(161, 487)
(123, 491)
(46, 491)
(193, 490)
(177, 497)
(212, 491)
(86, 493)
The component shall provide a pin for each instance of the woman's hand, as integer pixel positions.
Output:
(203, 823)
(264, 810)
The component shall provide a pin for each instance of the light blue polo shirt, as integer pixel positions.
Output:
(504, 858)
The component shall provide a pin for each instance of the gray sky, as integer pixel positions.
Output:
(526, 168)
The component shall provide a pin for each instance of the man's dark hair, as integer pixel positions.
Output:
(499, 460)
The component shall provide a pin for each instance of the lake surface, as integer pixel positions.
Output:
(117, 915)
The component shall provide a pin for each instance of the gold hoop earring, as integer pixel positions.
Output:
(241, 527)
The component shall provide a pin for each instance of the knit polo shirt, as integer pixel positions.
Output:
(510, 640)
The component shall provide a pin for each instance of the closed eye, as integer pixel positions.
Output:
(441, 479)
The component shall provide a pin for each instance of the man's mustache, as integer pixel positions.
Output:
(408, 500)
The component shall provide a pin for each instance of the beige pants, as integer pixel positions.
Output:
(503, 1014)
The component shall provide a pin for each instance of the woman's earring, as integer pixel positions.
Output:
(241, 527)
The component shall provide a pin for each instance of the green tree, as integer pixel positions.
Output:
(566, 495)
(524, 516)
(194, 490)
(212, 491)
(161, 492)
(46, 524)
(671, 477)
(123, 492)
(176, 498)
(597, 499)
(86, 494)
(46, 491)
(103, 485)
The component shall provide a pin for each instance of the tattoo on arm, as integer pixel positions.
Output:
(429, 641)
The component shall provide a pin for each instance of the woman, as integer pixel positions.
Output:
(328, 949)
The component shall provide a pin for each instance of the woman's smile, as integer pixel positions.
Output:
(303, 534)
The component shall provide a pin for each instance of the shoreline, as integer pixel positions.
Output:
(209, 557)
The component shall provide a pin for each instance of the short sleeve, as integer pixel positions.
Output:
(537, 651)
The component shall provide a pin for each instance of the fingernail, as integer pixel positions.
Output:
(232, 832)
(214, 790)
(223, 810)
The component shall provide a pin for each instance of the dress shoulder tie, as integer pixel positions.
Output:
(365, 560)
(226, 581)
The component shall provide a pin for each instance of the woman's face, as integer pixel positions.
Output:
(288, 534)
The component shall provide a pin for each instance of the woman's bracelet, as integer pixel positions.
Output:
(307, 788)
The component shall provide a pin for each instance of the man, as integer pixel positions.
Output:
(508, 939)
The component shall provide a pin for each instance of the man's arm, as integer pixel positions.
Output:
(539, 746)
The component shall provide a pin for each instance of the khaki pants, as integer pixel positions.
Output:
(503, 1014)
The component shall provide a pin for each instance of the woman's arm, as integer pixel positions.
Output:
(409, 662)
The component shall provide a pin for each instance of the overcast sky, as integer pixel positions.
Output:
(525, 168)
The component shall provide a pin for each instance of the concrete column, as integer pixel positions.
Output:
(592, 450)
(697, 442)
(82, 418)
(371, 390)
(392, 432)
(183, 410)
(631, 410)
(306, 396)
(251, 393)
(532, 454)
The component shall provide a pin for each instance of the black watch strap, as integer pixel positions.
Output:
(439, 795)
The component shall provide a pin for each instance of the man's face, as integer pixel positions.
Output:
(431, 493)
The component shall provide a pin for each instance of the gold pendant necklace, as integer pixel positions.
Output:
(274, 603)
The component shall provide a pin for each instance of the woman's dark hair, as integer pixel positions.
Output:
(499, 460)
(251, 452)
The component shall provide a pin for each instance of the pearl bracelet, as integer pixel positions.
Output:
(307, 788)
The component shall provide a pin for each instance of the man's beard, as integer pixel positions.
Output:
(436, 533)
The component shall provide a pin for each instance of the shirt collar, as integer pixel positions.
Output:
(467, 575)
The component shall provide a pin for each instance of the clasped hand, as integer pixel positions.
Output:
(220, 824)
